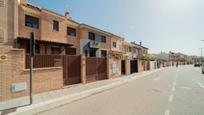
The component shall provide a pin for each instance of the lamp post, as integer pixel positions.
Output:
(32, 54)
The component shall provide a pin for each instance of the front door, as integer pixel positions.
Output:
(123, 67)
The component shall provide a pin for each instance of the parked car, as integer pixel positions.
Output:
(203, 69)
(197, 65)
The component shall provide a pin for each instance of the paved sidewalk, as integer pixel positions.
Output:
(49, 100)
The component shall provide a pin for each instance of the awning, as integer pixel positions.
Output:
(22, 39)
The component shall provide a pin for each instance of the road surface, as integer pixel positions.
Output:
(173, 91)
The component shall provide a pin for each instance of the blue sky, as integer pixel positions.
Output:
(162, 25)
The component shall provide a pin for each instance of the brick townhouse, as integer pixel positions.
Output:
(94, 42)
(138, 51)
(117, 56)
(54, 33)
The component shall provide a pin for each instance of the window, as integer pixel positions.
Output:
(55, 50)
(103, 39)
(55, 25)
(103, 53)
(37, 49)
(91, 36)
(71, 31)
(31, 22)
(92, 53)
(71, 51)
(114, 44)
(96, 37)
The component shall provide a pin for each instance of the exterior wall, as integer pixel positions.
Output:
(119, 42)
(114, 67)
(143, 65)
(12, 71)
(24, 31)
(8, 21)
(152, 65)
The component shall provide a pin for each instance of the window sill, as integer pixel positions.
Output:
(55, 31)
(69, 36)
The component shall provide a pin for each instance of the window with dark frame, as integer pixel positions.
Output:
(55, 50)
(91, 36)
(31, 21)
(96, 37)
(71, 51)
(114, 44)
(103, 53)
(71, 31)
(55, 25)
(103, 39)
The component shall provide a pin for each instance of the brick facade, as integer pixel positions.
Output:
(12, 71)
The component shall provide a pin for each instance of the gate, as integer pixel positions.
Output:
(71, 69)
(96, 69)
(133, 66)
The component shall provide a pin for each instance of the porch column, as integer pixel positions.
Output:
(83, 69)
(108, 67)
(127, 67)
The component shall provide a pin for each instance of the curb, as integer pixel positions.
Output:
(51, 104)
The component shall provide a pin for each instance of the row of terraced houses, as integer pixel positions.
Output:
(67, 52)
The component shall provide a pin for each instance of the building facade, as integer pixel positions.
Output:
(54, 33)
(94, 42)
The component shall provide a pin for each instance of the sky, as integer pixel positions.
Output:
(161, 25)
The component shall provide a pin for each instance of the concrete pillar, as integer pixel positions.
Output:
(127, 67)
(8, 22)
(108, 68)
(83, 69)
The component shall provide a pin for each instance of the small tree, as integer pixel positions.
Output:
(148, 58)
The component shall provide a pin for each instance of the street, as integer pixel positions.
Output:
(173, 91)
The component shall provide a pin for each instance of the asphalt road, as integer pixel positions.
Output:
(173, 91)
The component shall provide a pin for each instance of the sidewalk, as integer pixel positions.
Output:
(49, 100)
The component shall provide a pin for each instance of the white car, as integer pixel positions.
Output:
(203, 69)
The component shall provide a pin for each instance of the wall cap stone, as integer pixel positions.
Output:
(43, 69)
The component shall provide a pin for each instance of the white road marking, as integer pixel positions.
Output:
(201, 85)
(157, 79)
(171, 98)
(175, 79)
(187, 88)
(173, 89)
(167, 112)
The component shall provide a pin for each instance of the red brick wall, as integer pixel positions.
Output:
(143, 65)
(12, 71)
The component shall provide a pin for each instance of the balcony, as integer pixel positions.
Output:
(94, 44)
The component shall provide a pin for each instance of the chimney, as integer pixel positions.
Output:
(140, 43)
(22, 1)
(67, 14)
